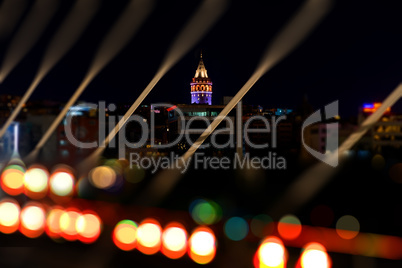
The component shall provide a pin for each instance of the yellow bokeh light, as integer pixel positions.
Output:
(126, 234)
(102, 177)
(174, 238)
(202, 243)
(315, 256)
(9, 213)
(53, 220)
(33, 218)
(88, 225)
(62, 183)
(12, 181)
(271, 254)
(149, 235)
(67, 224)
(36, 180)
(314, 259)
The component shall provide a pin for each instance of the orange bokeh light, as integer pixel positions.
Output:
(53, 222)
(12, 180)
(88, 227)
(289, 227)
(67, 223)
(36, 180)
(125, 235)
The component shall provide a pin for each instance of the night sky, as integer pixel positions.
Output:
(354, 56)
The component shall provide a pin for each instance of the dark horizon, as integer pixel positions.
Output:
(354, 56)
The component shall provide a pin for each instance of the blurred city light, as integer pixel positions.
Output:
(378, 162)
(135, 174)
(9, 216)
(347, 227)
(88, 227)
(174, 240)
(149, 235)
(262, 225)
(62, 183)
(12, 179)
(53, 222)
(125, 235)
(395, 172)
(102, 177)
(271, 253)
(202, 245)
(314, 256)
(205, 211)
(236, 228)
(33, 220)
(372, 107)
(36, 182)
(68, 222)
(289, 227)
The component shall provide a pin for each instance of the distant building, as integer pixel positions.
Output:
(201, 85)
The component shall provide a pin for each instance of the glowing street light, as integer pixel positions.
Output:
(174, 241)
(314, 256)
(9, 216)
(125, 235)
(149, 235)
(271, 253)
(202, 245)
(33, 220)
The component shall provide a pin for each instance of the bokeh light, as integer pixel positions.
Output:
(36, 182)
(149, 234)
(102, 177)
(12, 179)
(68, 222)
(33, 220)
(271, 253)
(315, 256)
(347, 227)
(125, 235)
(61, 183)
(174, 241)
(202, 245)
(289, 227)
(378, 162)
(53, 222)
(261, 225)
(236, 228)
(85, 189)
(395, 172)
(134, 174)
(9, 216)
(205, 211)
(88, 227)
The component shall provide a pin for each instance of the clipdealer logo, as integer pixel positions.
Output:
(185, 129)
(330, 155)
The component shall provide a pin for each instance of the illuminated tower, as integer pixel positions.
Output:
(201, 86)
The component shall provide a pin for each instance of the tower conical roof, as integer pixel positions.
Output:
(201, 72)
